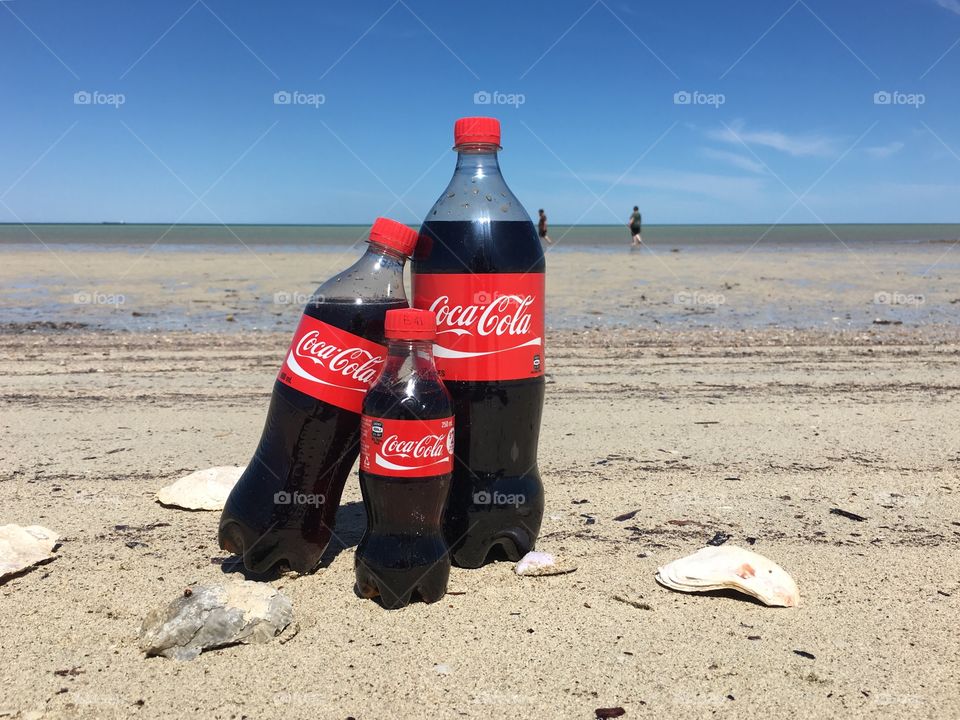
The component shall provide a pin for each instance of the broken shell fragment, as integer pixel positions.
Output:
(728, 567)
(22, 547)
(538, 564)
(201, 490)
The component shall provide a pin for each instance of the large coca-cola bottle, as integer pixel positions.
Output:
(284, 506)
(479, 267)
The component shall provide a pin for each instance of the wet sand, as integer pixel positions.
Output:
(256, 288)
(753, 432)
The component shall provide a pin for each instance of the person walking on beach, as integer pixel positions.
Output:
(635, 223)
(542, 228)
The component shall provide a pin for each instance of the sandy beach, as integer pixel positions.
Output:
(750, 406)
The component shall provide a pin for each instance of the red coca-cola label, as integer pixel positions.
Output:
(406, 448)
(489, 327)
(331, 364)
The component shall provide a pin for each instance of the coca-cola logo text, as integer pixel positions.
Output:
(429, 447)
(353, 362)
(503, 315)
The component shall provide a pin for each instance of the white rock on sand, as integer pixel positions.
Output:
(729, 567)
(21, 547)
(201, 490)
(213, 616)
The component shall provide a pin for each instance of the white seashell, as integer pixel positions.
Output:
(201, 490)
(729, 567)
(21, 547)
(535, 564)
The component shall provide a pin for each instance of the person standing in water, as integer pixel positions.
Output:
(635, 223)
(542, 228)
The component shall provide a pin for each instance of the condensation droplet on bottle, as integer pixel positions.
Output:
(489, 198)
(505, 208)
(451, 194)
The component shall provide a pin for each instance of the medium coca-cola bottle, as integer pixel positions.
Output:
(406, 450)
(284, 506)
(479, 267)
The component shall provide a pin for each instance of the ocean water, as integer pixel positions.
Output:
(293, 237)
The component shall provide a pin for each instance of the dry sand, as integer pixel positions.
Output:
(755, 434)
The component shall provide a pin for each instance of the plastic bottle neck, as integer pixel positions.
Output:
(407, 358)
(478, 160)
(389, 254)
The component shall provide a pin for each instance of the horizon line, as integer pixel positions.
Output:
(110, 223)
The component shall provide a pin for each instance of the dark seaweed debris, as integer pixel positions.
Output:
(718, 539)
(847, 514)
(612, 712)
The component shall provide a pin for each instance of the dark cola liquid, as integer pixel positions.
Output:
(284, 506)
(403, 550)
(496, 499)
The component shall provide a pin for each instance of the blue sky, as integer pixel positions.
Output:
(697, 111)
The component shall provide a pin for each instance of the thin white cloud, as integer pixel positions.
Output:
(951, 5)
(720, 187)
(740, 161)
(796, 145)
(884, 151)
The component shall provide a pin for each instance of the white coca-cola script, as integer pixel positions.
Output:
(427, 447)
(356, 363)
(505, 315)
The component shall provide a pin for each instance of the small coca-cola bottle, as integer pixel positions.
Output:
(406, 460)
(284, 506)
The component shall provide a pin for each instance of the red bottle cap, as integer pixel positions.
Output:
(410, 324)
(476, 130)
(394, 235)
